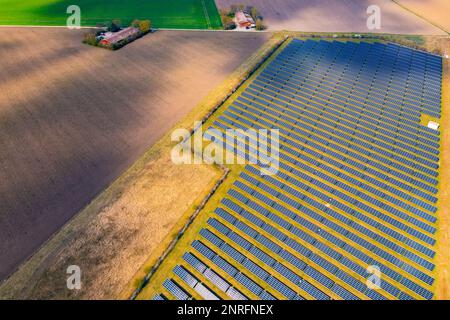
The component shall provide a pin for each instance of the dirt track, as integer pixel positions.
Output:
(336, 16)
(73, 117)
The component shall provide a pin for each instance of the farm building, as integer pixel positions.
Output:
(116, 37)
(244, 20)
(433, 125)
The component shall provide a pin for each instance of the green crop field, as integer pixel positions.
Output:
(189, 14)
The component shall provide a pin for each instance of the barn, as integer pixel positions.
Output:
(116, 37)
(244, 20)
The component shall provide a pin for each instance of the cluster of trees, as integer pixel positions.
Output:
(229, 15)
(227, 20)
(90, 38)
(260, 25)
(144, 26)
(114, 26)
(93, 38)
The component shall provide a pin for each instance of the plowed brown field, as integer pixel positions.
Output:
(336, 16)
(74, 117)
(435, 11)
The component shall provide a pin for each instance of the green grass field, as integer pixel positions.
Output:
(188, 14)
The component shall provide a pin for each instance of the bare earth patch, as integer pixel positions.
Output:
(336, 16)
(73, 118)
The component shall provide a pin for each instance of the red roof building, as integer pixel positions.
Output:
(119, 36)
(244, 20)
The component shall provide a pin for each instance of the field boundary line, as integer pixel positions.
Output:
(205, 11)
(37, 26)
(420, 16)
(156, 29)
(216, 30)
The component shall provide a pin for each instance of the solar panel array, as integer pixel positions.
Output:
(357, 184)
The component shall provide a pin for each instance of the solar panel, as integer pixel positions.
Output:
(159, 297)
(357, 178)
(175, 289)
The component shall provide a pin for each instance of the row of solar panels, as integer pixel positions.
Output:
(346, 195)
(376, 51)
(193, 282)
(348, 125)
(396, 87)
(293, 137)
(269, 109)
(324, 253)
(300, 86)
(348, 210)
(384, 122)
(429, 83)
(254, 269)
(396, 74)
(240, 249)
(360, 183)
(227, 268)
(177, 291)
(329, 253)
(391, 99)
(342, 94)
(274, 283)
(202, 290)
(269, 186)
(358, 65)
(396, 50)
(394, 81)
(395, 217)
(214, 278)
(309, 179)
(390, 92)
(346, 143)
(352, 120)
